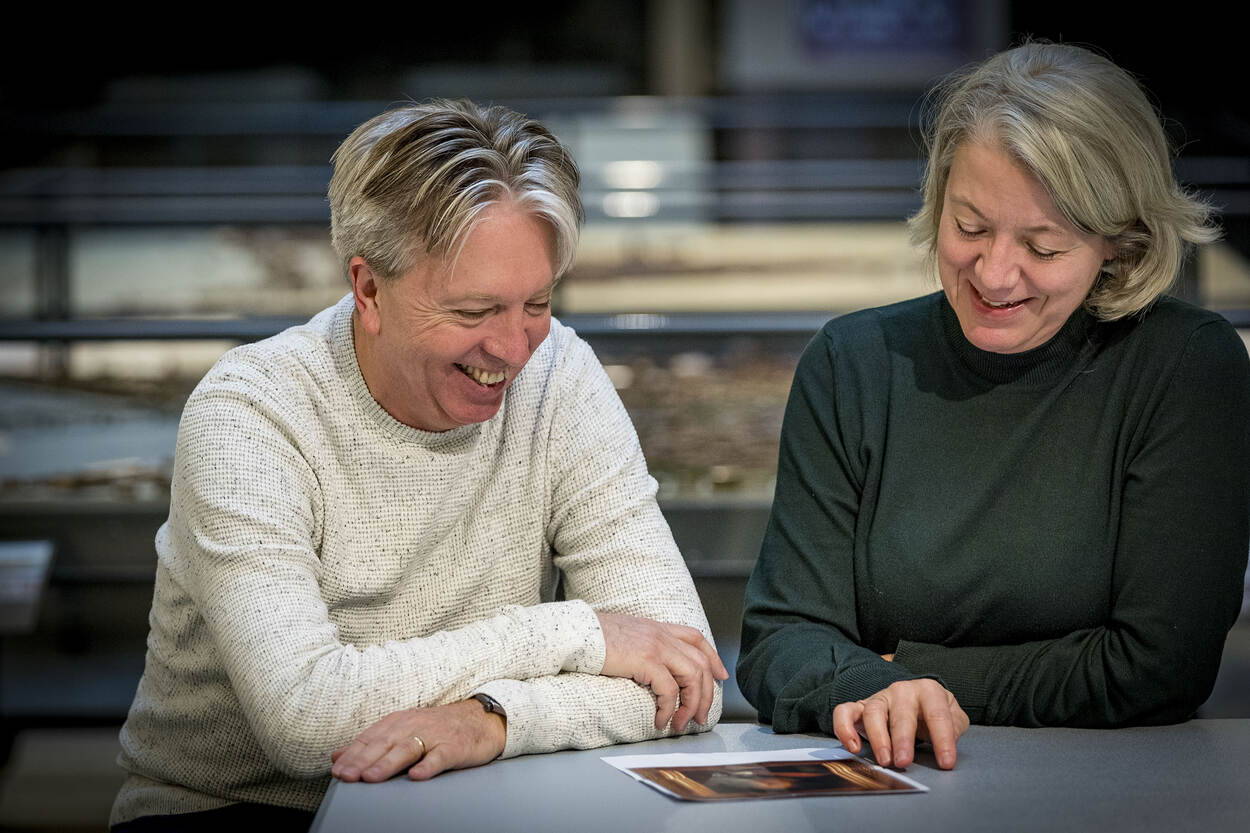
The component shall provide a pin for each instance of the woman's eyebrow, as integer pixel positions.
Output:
(1052, 228)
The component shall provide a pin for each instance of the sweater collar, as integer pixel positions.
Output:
(1043, 364)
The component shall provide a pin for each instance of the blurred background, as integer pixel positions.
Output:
(747, 169)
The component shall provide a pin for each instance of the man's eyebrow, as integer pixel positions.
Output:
(487, 298)
(474, 296)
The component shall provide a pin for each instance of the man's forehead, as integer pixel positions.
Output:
(445, 285)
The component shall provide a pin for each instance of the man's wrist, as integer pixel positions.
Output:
(491, 705)
(494, 716)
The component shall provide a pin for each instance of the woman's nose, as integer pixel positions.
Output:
(997, 267)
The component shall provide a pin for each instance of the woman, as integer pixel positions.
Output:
(1022, 500)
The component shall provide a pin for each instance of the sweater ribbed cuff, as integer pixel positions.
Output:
(525, 716)
(857, 680)
(956, 669)
(583, 629)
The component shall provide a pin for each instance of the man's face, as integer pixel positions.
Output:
(447, 338)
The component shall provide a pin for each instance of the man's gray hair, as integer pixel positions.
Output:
(412, 182)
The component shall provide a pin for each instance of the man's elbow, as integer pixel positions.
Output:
(298, 744)
(297, 758)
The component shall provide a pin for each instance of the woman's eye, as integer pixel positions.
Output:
(1043, 254)
(964, 231)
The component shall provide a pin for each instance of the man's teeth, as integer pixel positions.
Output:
(482, 377)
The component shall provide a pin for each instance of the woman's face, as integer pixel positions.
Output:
(1013, 268)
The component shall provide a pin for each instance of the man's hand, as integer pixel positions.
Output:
(671, 659)
(456, 736)
(894, 717)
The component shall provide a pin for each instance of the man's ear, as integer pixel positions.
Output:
(365, 285)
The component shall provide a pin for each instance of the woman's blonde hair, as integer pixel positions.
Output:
(1084, 127)
(412, 182)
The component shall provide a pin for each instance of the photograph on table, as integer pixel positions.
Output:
(772, 779)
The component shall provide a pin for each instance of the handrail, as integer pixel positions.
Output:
(835, 189)
(592, 326)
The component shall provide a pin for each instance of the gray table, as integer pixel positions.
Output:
(1195, 776)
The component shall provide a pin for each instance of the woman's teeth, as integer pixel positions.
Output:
(1002, 305)
(482, 377)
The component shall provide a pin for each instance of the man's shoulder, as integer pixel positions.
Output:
(564, 380)
(562, 356)
(280, 368)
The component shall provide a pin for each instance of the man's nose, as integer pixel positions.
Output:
(509, 339)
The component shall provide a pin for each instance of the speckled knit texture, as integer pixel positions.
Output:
(324, 565)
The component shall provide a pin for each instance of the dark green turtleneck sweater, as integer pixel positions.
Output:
(1058, 536)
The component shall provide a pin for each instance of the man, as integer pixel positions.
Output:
(367, 510)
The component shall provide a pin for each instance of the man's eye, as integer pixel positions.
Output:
(473, 314)
(537, 307)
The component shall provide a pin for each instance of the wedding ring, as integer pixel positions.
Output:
(418, 740)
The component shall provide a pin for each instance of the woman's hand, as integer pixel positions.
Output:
(894, 717)
(671, 659)
(455, 736)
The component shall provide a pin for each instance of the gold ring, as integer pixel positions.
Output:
(418, 740)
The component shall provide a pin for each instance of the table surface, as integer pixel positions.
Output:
(1193, 776)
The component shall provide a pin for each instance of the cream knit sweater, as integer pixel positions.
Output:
(324, 565)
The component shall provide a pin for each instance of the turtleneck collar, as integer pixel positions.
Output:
(1042, 365)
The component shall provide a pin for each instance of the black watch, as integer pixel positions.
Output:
(491, 705)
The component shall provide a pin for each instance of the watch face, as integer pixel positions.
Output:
(490, 704)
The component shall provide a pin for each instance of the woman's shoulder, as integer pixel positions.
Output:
(1179, 346)
(876, 331)
(1170, 327)
(1173, 314)
(903, 316)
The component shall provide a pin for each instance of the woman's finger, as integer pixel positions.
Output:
(940, 724)
(904, 718)
(846, 716)
(876, 720)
